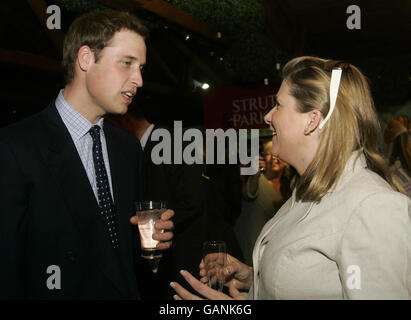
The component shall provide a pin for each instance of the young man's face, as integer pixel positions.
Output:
(112, 82)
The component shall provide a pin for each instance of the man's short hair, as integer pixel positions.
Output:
(96, 29)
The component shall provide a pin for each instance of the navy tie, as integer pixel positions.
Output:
(105, 200)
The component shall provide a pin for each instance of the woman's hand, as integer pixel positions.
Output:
(236, 273)
(204, 290)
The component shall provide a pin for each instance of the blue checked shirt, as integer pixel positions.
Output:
(79, 127)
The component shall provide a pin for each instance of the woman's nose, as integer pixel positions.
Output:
(268, 116)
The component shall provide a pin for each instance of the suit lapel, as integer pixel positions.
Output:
(71, 179)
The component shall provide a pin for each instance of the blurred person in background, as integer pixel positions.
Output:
(263, 194)
(397, 135)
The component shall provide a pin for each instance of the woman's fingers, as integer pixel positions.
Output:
(237, 295)
(203, 289)
(183, 294)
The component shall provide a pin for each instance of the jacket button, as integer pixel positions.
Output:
(70, 255)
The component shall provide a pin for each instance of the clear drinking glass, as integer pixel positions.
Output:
(215, 259)
(148, 212)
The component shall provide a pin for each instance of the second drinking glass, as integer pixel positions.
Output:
(215, 257)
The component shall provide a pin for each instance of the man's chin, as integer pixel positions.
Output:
(120, 110)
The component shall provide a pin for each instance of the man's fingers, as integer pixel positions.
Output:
(164, 245)
(167, 215)
(163, 236)
(164, 225)
(134, 220)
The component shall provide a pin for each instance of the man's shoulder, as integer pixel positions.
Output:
(24, 128)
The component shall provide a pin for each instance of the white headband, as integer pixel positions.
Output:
(334, 86)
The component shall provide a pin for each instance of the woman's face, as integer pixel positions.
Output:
(274, 163)
(288, 125)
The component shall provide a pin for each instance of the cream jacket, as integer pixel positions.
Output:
(354, 244)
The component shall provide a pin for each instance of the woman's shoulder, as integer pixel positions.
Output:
(364, 183)
(364, 192)
(369, 193)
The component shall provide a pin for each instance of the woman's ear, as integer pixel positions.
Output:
(314, 118)
(84, 57)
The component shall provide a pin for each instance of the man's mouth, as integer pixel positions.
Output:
(128, 94)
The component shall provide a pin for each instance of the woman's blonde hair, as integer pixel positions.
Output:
(397, 135)
(353, 125)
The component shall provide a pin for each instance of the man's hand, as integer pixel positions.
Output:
(163, 229)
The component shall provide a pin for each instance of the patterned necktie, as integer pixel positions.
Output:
(105, 201)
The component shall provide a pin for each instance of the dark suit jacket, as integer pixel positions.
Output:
(181, 186)
(49, 214)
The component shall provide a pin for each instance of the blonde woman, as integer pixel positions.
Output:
(397, 135)
(345, 233)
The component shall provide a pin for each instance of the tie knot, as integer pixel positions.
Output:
(95, 132)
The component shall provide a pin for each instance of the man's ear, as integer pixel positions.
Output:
(85, 57)
(314, 118)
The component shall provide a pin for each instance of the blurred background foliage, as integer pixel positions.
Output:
(250, 54)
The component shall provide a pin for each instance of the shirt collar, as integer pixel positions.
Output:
(77, 125)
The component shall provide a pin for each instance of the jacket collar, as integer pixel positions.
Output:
(72, 183)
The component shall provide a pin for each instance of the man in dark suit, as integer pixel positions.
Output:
(69, 180)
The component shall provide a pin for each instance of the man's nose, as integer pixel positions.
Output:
(137, 78)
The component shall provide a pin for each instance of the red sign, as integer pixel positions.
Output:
(237, 107)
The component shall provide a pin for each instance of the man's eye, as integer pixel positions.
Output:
(127, 63)
(141, 68)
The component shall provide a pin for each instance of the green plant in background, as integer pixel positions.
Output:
(80, 6)
(252, 54)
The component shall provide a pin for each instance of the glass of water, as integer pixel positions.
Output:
(148, 212)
